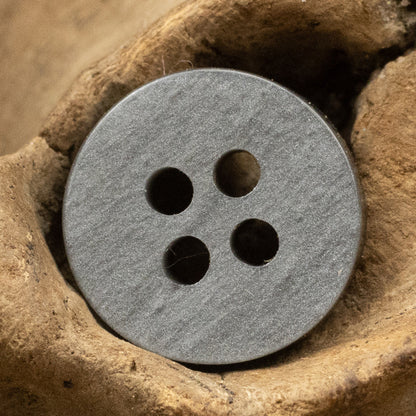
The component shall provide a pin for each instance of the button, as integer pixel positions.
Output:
(212, 217)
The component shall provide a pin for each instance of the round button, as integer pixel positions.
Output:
(212, 217)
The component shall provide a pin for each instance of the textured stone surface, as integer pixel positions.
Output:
(307, 191)
(56, 359)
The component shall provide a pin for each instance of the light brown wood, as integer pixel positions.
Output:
(56, 359)
(45, 44)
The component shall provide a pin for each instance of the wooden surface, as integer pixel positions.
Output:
(54, 357)
(45, 44)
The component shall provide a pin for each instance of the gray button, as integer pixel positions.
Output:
(175, 254)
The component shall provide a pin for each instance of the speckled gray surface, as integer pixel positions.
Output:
(116, 241)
